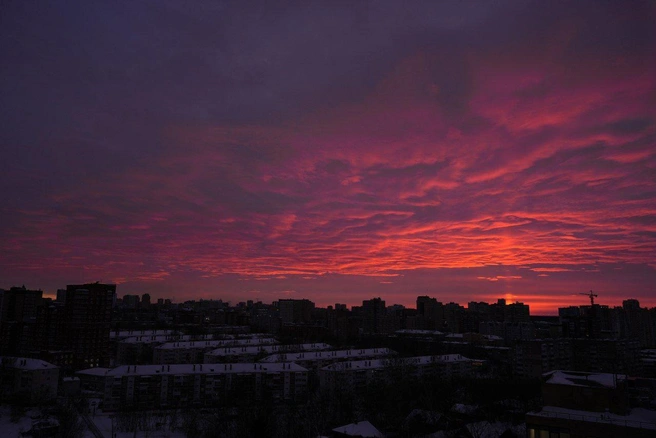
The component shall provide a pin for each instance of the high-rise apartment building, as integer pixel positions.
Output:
(87, 321)
(295, 311)
(373, 311)
(18, 312)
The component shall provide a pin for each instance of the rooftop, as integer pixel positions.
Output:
(359, 429)
(25, 363)
(128, 333)
(183, 369)
(235, 351)
(637, 418)
(418, 332)
(216, 343)
(574, 378)
(332, 354)
(406, 361)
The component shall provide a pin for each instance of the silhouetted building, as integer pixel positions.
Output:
(373, 313)
(295, 311)
(531, 359)
(607, 355)
(18, 319)
(592, 322)
(431, 313)
(88, 314)
(454, 315)
(50, 335)
(580, 404)
(638, 323)
(131, 301)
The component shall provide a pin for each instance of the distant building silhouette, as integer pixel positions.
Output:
(18, 312)
(295, 311)
(373, 312)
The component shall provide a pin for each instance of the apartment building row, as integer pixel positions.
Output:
(201, 385)
(253, 353)
(318, 359)
(193, 351)
(140, 349)
(360, 373)
(533, 358)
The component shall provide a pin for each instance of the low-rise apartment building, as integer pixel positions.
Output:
(581, 405)
(201, 385)
(253, 353)
(30, 379)
(190, 352)
(357, 374)
(317, 359)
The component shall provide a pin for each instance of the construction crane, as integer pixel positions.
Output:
(591, 295)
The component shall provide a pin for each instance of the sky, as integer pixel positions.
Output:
(335, 151)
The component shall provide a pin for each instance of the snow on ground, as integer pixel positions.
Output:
(12, 430)
(637, 417)
(103, 422)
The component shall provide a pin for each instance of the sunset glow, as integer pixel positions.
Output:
(466, 151)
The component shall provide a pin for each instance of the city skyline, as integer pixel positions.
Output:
(467, 151)
(576, 300)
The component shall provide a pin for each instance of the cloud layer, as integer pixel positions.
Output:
(460, 150)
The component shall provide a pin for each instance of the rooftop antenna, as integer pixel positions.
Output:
(591, 295)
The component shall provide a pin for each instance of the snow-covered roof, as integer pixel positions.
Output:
(332, 354)
(575, 378)
(235, 351)
(485, 429)
(145, 339)
(636, 418)
(359, 429)
(476, 335)
(381, 363)
(418, 332)
(97, 371)
(462, 408)
(26, 363)
(129, 333)
(216, 343)
(207, 368)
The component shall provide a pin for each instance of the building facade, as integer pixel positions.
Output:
(196, 385)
